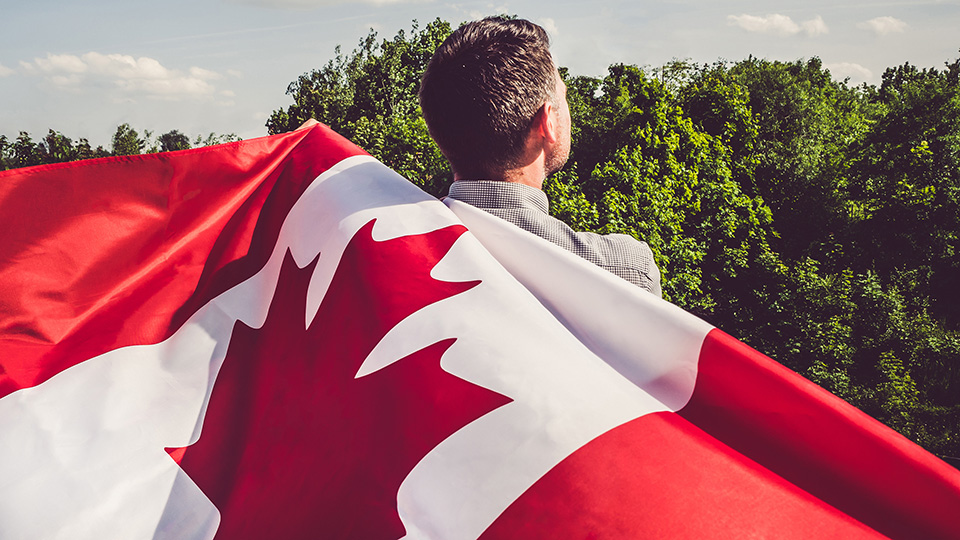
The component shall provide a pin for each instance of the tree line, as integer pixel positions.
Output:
(56, 147)
(814, 220)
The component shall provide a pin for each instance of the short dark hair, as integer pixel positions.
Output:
(482, 89)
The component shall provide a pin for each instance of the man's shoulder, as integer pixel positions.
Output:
(625, 256)
(620, 254)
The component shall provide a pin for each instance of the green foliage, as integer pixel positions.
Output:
(652, 172)
(54, 148)
(126, 141)
(905, 185)
(173, 140)
(25, 153)
(58, 148)
(213, 139)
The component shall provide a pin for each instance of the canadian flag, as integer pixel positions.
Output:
(281, 338)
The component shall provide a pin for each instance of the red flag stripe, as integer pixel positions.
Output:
(660, 476)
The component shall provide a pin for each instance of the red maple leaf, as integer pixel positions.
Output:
(293, 445)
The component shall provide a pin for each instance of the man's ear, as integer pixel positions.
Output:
(545, 122)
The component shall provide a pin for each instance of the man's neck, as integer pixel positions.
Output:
(531, 175)
(532, 178)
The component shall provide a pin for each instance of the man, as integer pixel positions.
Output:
(496, 106)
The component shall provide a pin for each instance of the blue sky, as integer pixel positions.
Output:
(200, 66)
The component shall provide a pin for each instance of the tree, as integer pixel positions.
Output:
(58, 148)
(173, 140)
(4, 149)
(83, 150)
(214, 138)
(906, 190)
(26, 152)
(805, 121)
(126, 141)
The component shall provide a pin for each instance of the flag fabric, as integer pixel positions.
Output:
(281, 338)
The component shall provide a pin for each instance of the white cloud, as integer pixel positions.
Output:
(174, 88)
(65, 81)
(132, 77)
(58, 63)
(777, 24)
(855, 72)
(771, 24)
(815, 27)
(125, 67)
(4, 71)
(883, 26)
(204, 74)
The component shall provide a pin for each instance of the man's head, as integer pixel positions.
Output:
(483, 91)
